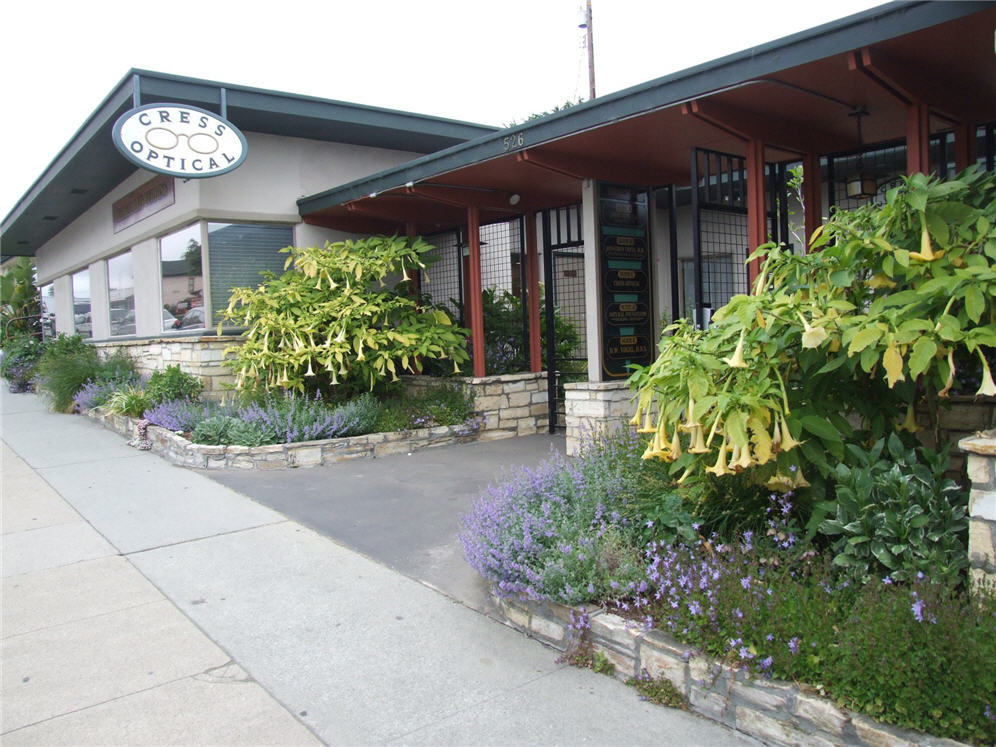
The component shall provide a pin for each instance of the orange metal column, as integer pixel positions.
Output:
(532, 294)
(917, 139)
(474, 290)
(811, 194)
(757, 218)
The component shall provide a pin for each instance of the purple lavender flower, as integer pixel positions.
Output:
(793, 645)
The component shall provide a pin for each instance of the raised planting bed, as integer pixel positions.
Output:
(775, 712)
(178, 450)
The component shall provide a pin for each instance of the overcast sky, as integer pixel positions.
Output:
(487, 62)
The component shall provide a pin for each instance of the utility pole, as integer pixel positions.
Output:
(591, 49)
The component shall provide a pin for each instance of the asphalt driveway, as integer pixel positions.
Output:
(402, 510)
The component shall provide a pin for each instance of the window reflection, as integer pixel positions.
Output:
(121, 294)
(182, 279)
(82, 321)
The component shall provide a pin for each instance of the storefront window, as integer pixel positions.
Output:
(121, 294)
(82, 322)
(47, 293)
(182, 279)
(238, 252)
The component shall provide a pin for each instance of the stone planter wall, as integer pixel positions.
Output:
(965, 417)
(178, 450)
(201, 356)
(511, 404)
(776, 712)
(981, 451)
(595, 406)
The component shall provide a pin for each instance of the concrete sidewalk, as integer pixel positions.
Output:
(144, 603)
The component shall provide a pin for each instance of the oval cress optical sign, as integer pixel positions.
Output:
(179, 140)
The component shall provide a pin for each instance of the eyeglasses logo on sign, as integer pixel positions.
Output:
(179, 140)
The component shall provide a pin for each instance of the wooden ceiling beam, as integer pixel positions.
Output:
(587, 167)
(911, 84)
(746, 125)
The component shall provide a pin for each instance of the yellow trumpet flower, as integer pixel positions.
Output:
(788, 442)
(691, 422)
(988, 387)
(812, 337)
(744, 461)
(737, 361)
(799, 480)
(909, 424)
(698, 445)
(951, 372)
(926, 253)
(675, 446)
(719, 468)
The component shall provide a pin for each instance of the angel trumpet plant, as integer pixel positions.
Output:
(737, 360)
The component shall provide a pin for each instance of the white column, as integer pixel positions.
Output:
(592, 289)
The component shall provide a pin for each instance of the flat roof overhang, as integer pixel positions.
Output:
(795, 95)
(89, 166)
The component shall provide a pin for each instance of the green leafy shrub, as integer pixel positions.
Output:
(443, 404)
(835, 346)
(214, 431)
(129, 400)
(172, 383)
(363, 412)
(896, 514)
(325, 319)
(66, 366)
(241, 433)
(506, 347)
(20, 304)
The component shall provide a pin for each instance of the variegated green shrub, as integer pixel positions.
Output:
(834, 346)
(331, 315)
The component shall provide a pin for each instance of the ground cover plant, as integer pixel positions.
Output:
(20, 357)
(906, 647)
(783, 515)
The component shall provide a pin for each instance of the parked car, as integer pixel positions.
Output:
(192, 319)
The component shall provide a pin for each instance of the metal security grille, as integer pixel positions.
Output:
(985, 146)
(563, 272)
(506, 326)
(719, 217)
(503, 283)
(442, 283)
(885, 164)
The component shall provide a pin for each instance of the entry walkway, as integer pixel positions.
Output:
(144, 603)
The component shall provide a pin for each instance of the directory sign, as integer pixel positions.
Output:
(624, 265)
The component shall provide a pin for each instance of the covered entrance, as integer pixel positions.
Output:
(851, 105)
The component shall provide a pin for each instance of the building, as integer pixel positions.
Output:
(631, 209)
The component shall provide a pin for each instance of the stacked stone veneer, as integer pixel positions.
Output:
(510, 405)
(776, 712)
(200, 356)
(958, 417)
(591, 407)
(981, 451)
(178, 450)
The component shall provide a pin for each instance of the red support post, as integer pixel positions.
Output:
(532, 294)
(964, 146)
(474, 289)
(757, 217)
(917, 139)
(411, 231)
(812, 197)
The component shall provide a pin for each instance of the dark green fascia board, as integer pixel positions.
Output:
(162, 86)
(852, 32)
(170, 87)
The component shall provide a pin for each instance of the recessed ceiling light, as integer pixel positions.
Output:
(77, 191)
(50, 217)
